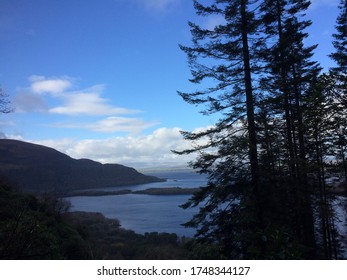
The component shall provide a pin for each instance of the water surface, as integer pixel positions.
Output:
(146, 213)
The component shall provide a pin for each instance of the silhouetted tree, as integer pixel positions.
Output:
(290, 72)
(226, 59)
(325, 121)
(340, 40)
(257, 76)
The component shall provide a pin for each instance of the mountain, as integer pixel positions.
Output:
(37, 168)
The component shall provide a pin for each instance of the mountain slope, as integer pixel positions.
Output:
(37, 168)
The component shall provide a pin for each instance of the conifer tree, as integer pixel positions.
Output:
(340, 54)
(225, 59)
(291, 71)
(265, 153)
(340, 42)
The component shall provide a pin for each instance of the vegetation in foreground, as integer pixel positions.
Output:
(41, 228)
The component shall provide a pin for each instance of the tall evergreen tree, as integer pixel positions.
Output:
(225, 58)
(257, 200)
(291, 71)
(340, 54)
(325, 121)
(340, 40)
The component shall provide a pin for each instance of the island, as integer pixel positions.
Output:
(150, 191)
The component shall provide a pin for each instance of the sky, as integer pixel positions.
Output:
(98, 79)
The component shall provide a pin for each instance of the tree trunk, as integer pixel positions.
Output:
(252, 136)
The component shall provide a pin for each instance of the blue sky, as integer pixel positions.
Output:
(98, 78)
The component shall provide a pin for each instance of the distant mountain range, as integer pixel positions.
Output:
(36, 168)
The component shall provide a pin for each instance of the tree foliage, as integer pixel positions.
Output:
(41, 228)
(340, 40)
(279, 123)
(33, 229)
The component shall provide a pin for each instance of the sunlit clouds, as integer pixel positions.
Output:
(41, 85)
(88, 102)
(110, 125)
(152, 150)
(86, 109)
(59, 96)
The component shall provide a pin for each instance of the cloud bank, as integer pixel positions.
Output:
(58, 96)
(69, 107)
(153, 150)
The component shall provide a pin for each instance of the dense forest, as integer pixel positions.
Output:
(281, 133)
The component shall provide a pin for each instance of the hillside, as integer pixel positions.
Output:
(37, 168)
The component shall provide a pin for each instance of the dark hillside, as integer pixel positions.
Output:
(37, 168)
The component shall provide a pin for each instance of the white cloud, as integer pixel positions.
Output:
(88, 102)
(4, 135)
(111, 125)
(52, 95)
(8, 130)
(40, 84)
(153, 150)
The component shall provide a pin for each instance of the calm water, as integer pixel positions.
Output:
(146, 213)
(149, 213)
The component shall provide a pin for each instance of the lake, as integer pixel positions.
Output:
(161, 213)
(146, 213)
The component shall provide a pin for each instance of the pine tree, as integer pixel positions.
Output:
(340, 54)
(268, 149)
(340, 42)
(225, 58)
(325, 121)
(291, 71)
